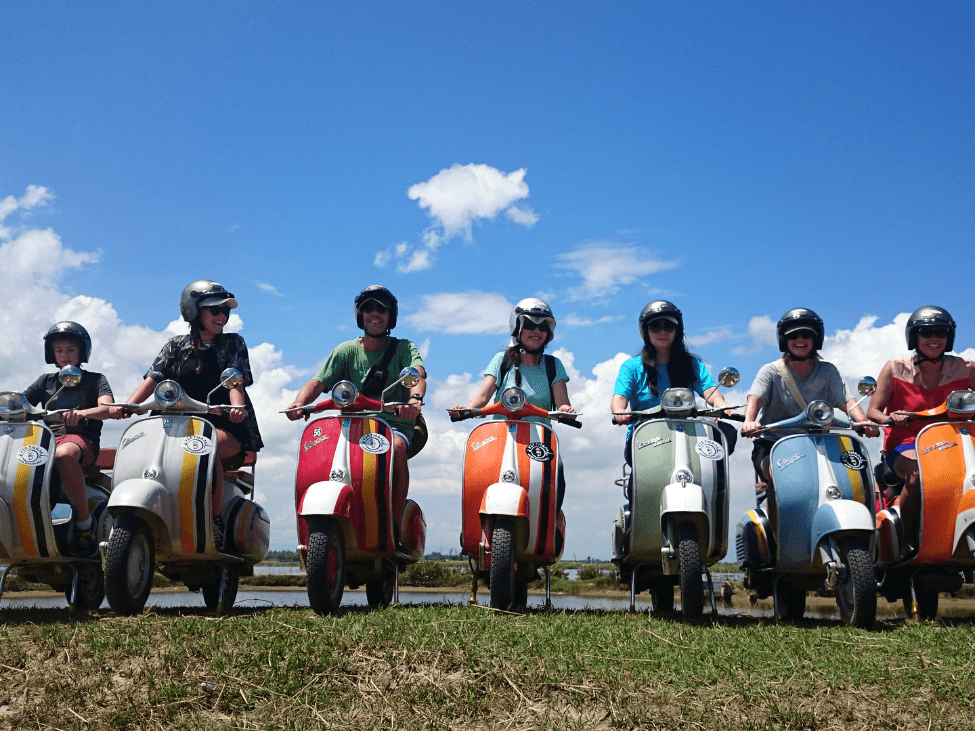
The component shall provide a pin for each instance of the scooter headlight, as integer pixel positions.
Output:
(819, 413)
(11, 403)
(168, 393)
(961, 402)
(513, 399)
(677, 401)
(344, 393)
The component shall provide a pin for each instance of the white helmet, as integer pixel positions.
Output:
(535, 310)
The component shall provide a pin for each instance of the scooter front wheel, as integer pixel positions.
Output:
(502, 564)
(326, 566)
(91, 587)
(129, 563)
(856, 593)
(691, 583)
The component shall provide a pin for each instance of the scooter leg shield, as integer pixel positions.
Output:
(414, 529)
(6, 530)
(753, 541)
(888, 536)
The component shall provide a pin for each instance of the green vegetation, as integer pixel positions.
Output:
(472, 668)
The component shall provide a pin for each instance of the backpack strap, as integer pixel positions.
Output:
(790, 383)
(548, 360)
(381, 365)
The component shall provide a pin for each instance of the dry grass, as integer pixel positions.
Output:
(472, 668)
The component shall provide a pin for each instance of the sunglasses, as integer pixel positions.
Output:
(529, 325)
(804, 334)
(933, 332)
(218, 310)
(666, 325)
(373, 306)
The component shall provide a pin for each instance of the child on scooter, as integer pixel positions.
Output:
(915, 383)
(68, 344)
(195, 362)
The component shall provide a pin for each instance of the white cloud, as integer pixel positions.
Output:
(713, 336)
(576, 321)
(762, 330)
(34, 196)
(455, 198)
(462, 313)
(270, 288)
(605, 267)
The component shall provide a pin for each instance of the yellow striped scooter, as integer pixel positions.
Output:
(162, 508)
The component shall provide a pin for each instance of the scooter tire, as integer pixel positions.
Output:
(661, 596)
(129, 565)
(927, 605)
(856, 595)
(379, 593)
(211, 592)
(326, 567)
(691, 581)
(790, 603)
(502, 564)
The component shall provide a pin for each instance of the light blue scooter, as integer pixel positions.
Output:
(824, 535)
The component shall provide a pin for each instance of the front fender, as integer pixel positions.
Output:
(846, 516)
(505, 498)
(678, 498)
(142, 495)
(327, 498)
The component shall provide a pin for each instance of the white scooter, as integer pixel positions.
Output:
(36, 527)
(161, 504)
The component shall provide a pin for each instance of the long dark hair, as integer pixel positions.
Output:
(512, 361)
(680, 367)
(196, 342)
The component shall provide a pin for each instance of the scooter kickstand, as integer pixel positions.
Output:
(395, 583)
(548, 589)
(473, 597)
(714, 604)
(633, 591)
(74, 588)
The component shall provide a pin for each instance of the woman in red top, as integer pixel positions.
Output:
(915, 383)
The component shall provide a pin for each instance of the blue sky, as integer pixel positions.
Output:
(738, 159)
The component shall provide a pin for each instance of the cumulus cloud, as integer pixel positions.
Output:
(605, 267)
(713, 336)
(462, 313)
(454, 199)
(269, 288)
(762, 330)
(577, 321)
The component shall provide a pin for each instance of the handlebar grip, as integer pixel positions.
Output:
(734, 417)
(574, 423)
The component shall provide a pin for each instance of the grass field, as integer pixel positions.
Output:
(474, 668)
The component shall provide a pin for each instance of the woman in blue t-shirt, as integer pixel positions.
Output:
(663, 363)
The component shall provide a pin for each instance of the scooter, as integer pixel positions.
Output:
(945, 555)
(674, 525)
(344, 501)
(824, 536)
(36, 526)
(162, 506)
(511, 522)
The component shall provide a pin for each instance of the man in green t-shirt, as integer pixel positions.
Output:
(375, 313)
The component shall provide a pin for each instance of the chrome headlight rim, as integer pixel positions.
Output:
(12, 403)
(677, 401)
(513, 399)
(819, 413)
(344, 393)
(167, 393)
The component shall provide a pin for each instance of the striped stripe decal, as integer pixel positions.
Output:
(22, 497)
(192, 498)
(759, 533)
(854, 476)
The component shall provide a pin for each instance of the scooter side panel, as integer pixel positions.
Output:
(27, 453)
(942, 465)
(176, 451)
(654, 466)
(482, 468)
(358, 452)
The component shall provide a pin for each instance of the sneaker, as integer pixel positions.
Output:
(85, 544)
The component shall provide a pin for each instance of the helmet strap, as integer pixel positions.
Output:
(797, 358)
(922, 358)
(536, 351)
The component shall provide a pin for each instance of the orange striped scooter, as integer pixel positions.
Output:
(162, 506)
(36, 528)
(344, 500)
(944, 557)
(512, 525)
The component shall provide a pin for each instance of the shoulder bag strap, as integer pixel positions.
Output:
(790, 383)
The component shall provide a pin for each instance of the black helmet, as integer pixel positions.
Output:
(929, 316)
(800, 319)
(535, 310)
(203, 293)
(383, 296)
(67, 330)
(661, 309)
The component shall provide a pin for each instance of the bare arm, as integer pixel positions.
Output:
(715, 398)
(877, 411)
(752, 407)
(617, 404)
(140, 394)
(560, 398)
(308, 393)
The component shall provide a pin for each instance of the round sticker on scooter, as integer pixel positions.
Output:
(539, 452)
(374, 443)
(33, 456)
(197, 445)
(853, 460)
(709, 449)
